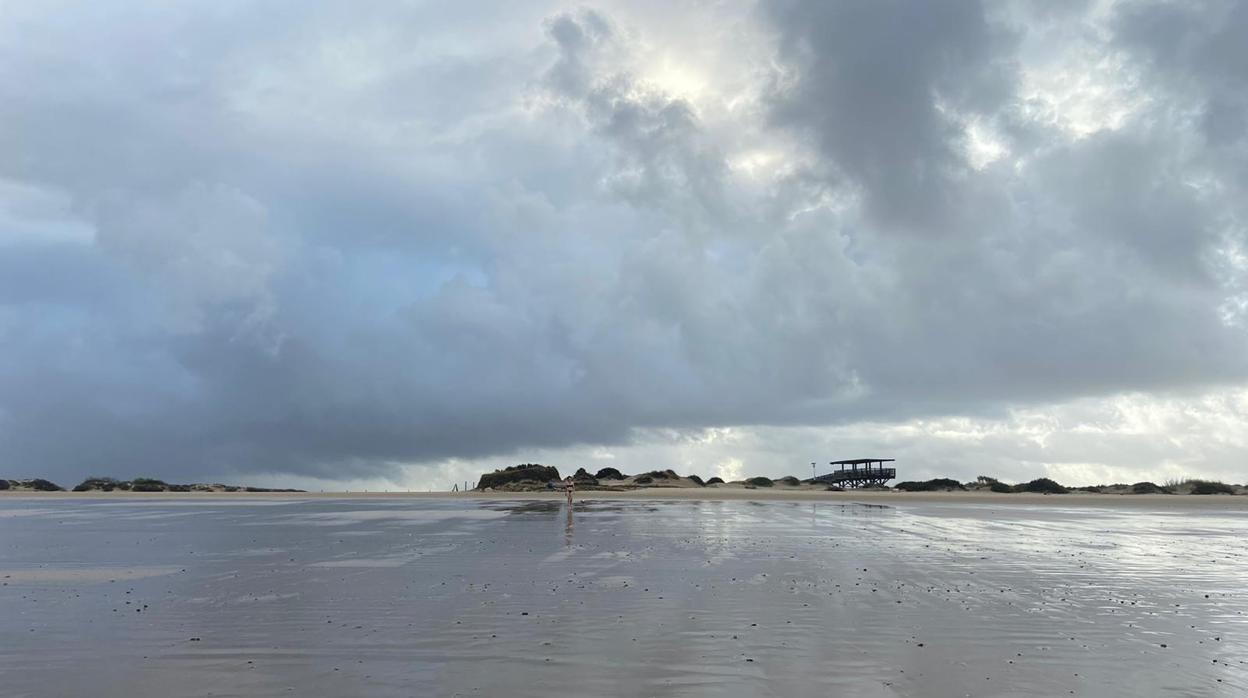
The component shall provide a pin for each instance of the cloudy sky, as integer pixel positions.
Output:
(395, 244)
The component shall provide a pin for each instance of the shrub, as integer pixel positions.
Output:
(1210, 487)
(609, 474)
(179, 488)
(1148, 488)
(760, 481)
(42, 485)
(4, 485)
(715, 481)
(985, 480)
(790, 481)
(527, 472)
(147, 484)
(582, 478)
(1043, 485)
(643, 480)
(107, 484)
(1000, 487)
(697, 481)
(946, 483)
(940, 483)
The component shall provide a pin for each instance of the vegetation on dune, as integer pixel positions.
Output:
(105, 484)
(1042, 485)
(1148, 488)
(148, 484)
(40, 485)
(697, 480)
(992, 483)
(1197, 486)
(4, 485)
(760, 481)
(650, 477)
(609, 474)
(1210, 487)
(715, 481)
(525, 472)
(940, 483)
(790, 481)
(583, 479)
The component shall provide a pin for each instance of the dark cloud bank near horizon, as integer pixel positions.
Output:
(283, 239)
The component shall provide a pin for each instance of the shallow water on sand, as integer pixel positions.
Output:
(398, 597)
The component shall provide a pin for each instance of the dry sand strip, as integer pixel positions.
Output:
(712, 493)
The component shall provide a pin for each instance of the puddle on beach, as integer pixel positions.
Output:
(417, 597)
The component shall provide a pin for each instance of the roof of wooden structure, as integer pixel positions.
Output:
(861, 461)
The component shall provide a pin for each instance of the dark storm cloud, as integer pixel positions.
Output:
(324, 244)
(1086, 267)
(880, 85)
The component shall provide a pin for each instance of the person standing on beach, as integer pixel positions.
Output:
(569, 486)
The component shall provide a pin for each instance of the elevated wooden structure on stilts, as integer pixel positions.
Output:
(872, 473)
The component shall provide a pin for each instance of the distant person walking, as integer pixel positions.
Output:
(569, 486)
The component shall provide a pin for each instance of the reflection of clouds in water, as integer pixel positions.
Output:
(70, 574)
(649, 596)
(14, 513)
(257, 552)
(397, 559)
(414, 516)
(159, 501)
(263, 598)
(560, 556)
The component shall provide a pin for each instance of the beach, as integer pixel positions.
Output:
(645, 593)
(712, 493)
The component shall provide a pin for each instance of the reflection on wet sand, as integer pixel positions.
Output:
(399, 598)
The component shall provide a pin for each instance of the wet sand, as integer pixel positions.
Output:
(909, 594)
(713, 493)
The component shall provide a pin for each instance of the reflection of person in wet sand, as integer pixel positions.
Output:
(567, 529)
